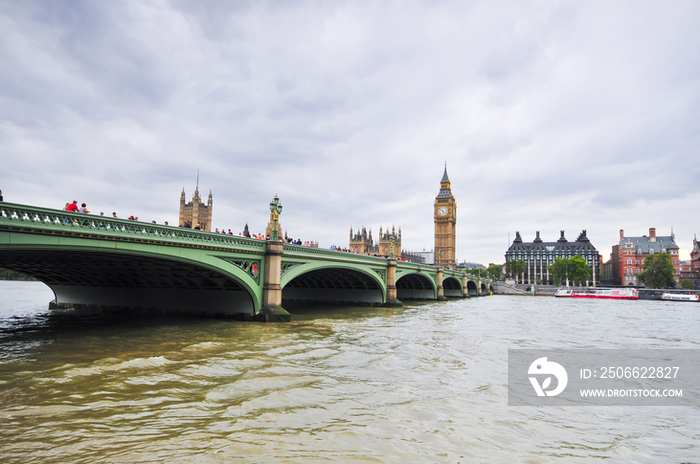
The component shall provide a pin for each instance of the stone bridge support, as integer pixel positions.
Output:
(465, 286)
(440, 290)
(391, 294)
(272, 310)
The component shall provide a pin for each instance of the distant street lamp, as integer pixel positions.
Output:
(392, 238)
(276, 209)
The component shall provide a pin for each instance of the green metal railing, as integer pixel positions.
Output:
(30, 217)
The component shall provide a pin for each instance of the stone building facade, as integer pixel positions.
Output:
(362, 242)
(538, 255)
(195, 212)
(610, 270)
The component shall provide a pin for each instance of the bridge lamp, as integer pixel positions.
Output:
(391, 246)
(276, 210)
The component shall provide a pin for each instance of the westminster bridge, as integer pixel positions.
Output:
(95, 261)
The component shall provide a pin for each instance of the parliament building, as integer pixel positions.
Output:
(195, 212)
(445, 218)
(362, 242)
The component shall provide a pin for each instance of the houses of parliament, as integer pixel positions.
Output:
(195, 213)
(445, 219)
(444, 216)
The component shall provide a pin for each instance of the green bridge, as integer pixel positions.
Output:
(116, 264)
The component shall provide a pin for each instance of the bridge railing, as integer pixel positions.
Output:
(23, 216)
(345, 256)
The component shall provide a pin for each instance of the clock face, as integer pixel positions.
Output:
(442, 211)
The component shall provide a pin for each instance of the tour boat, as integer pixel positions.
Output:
(594, 292)
(679, 297)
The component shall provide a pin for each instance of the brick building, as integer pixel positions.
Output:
(633, 250)
(695, 264)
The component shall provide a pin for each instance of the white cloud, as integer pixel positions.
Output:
(551, 116)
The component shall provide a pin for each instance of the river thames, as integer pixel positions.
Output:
(424, 383)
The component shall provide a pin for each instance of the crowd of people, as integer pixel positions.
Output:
(73, 207)
(246, 233)
(346, 250)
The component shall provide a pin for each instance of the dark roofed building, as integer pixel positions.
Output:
(539, 254)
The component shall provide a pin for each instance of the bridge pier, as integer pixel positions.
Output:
(465, 286)
(440, 290)
(272, 310)
(391, 293)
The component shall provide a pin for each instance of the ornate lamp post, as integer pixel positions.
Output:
(392, 238)
(276, 209)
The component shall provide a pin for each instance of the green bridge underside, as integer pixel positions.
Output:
(97, 261)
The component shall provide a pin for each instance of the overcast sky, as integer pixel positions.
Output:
(550, 115)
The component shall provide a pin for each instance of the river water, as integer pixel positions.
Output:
(422, 383)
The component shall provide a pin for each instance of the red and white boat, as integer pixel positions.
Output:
(594, 292)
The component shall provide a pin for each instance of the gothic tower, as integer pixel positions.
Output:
(385, 241)
(361, 242)
(195, 212)
(445, 224)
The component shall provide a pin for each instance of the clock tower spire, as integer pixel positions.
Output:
(445, 212)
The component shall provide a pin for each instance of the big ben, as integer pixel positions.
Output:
(445, 224)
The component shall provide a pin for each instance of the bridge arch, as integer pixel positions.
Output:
(131, 278)
(472, 289)
(415, 286)
(452, 287)
(324, 282)
(483, 288)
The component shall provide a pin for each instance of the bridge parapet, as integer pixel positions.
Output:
(65, 222)
(331, 255)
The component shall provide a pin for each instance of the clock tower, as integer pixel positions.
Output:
(445, 224)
